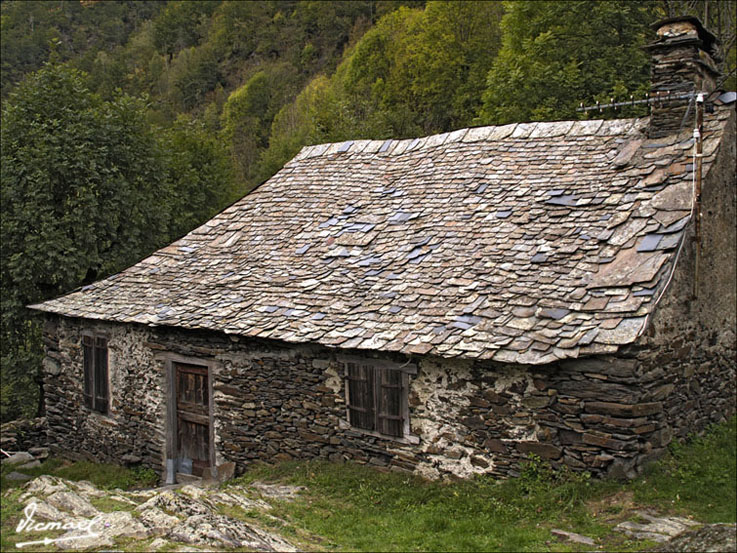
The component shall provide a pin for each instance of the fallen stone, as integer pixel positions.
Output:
(658, 529)
(39, 452)
(130, 459)
(17, 476)
(31, 465)
(710, 538)
(72, 502)
(18, 458)
(226, 471)
(220, 474)
(277, 491)
(572, 537)
(157, 521)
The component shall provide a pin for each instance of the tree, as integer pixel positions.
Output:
(249, 112)
(198, 174)
(80, 29)
(558, 54)
(83, 195)
(448, 60)
(415, 72)
(182, 25)
(304, 121)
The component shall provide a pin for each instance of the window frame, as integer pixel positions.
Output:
(406, 370)
(93, 379)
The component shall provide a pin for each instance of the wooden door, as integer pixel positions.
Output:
(193, 418)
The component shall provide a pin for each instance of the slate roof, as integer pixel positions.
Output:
(520, 243)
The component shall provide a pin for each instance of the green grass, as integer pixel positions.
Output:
(356, 508)
(104, 476)
(696, 478)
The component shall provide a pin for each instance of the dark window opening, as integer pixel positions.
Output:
(95, 372)
(377, 398)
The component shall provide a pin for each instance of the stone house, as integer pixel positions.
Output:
(445, 305)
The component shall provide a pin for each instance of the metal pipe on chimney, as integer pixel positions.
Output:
(698, 156)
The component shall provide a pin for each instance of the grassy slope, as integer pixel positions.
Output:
(355, 508)
(351, 507)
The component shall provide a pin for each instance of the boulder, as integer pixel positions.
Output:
(710, 538)
(157, 521)
(236, 496)
(43, 486)
(82, 540)
(277, 491)
(45, 511)
(120, 524)
(221, 531)
(572, 537)
(72, 503)
(87, 489)
(658, 529)
(193, 491)
(32, 465)
(18, 458)
(158, 543)
(175, 503)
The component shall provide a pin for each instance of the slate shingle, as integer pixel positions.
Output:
(521, 243)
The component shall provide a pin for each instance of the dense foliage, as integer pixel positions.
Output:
(550, 62)
(87, 188)
(126, 124)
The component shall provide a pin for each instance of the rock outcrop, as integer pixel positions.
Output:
(86, 517)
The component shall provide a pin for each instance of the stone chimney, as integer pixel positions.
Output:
(683, 61)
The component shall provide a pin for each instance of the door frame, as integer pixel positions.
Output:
(171, 453)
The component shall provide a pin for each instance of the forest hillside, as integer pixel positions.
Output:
(127, 124)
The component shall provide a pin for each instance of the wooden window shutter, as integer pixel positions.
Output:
(88, 363)
(100, 378)
(389, 413)
(361, 395)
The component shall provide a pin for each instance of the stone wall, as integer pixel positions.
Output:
(690, 348)
(23, 434)
(133, 427)
(275, 401)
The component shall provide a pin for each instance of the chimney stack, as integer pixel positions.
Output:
(683, 61)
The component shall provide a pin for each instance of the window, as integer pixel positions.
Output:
(95, 372)
(376, 394)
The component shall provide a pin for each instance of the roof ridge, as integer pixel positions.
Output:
(533, 129)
